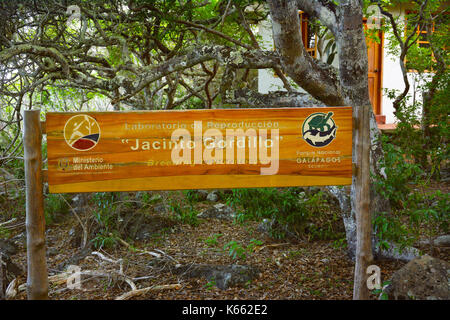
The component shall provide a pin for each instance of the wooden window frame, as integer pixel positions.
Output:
(419, 32)
(304, 24)
(304, 30)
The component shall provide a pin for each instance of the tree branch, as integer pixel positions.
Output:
(319, 79)
(325, 11)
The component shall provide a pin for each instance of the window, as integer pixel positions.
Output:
(309, 36)
(420, 56)
(422, 41)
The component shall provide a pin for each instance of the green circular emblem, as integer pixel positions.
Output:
(319, 129)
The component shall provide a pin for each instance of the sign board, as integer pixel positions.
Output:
(198, 149)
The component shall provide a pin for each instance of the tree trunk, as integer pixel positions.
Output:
(37, 281)
(346, 86)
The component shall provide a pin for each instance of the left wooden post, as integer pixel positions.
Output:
(37, 279)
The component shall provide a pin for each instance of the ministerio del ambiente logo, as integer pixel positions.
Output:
(82, 132)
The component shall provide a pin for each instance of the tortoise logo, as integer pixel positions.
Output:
(82, 132)
(319, 129)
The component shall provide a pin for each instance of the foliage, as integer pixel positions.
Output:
(106, 218)
(422, 131)
(184, 213)
(307, 214)
(400, 172)
(424, 141)
(415, 213)
(4, 233)
(213, 240)
(105, 239)
(210, 285)
(237, 251)
(383, 295)
(54, 204)
(191, 196)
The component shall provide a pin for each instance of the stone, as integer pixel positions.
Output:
(145, 232)
(52, 251)
(156, 198)
(75, 236)
(218, 211)
(265, 226)
(213, 196)
(75, 259)
(161, 208)
(80, 200)
(395, 253)
(424, 278)
(8, 247)
(10, 267)
(20, 239)
(441, 241)
(202, 195)
(223, 276)
(270, 227)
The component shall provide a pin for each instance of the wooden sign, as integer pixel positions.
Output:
(198, 149)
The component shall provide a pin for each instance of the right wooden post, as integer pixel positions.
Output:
(361, 180)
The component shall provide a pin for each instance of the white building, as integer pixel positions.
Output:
(384, 68)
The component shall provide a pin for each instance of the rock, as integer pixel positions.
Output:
(8, 247)
(75, 259)
(202, 195)
(20, 239)
(75, 236)
(156, 198)
(223, 276)
(424, 278)
(265, 226)
(441, 241)
(145, 232)
(11, 267)
(161, 208)
(80, 200)
(145, 227)
(52, 251)
(271, 228)
(218, 211)
(394, 253)
(213, 196)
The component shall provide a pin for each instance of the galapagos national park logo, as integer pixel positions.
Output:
(319, 129)
(82, 132)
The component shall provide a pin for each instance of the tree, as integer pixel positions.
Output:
(421, 39)
(163, 54)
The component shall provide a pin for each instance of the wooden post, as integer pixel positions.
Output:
(362, 188)
(37, 281)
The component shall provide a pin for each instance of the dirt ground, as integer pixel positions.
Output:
(295, 270)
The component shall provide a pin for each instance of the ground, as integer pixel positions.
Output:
(287, 269)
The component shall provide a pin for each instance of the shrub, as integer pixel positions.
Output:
(303, 213)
